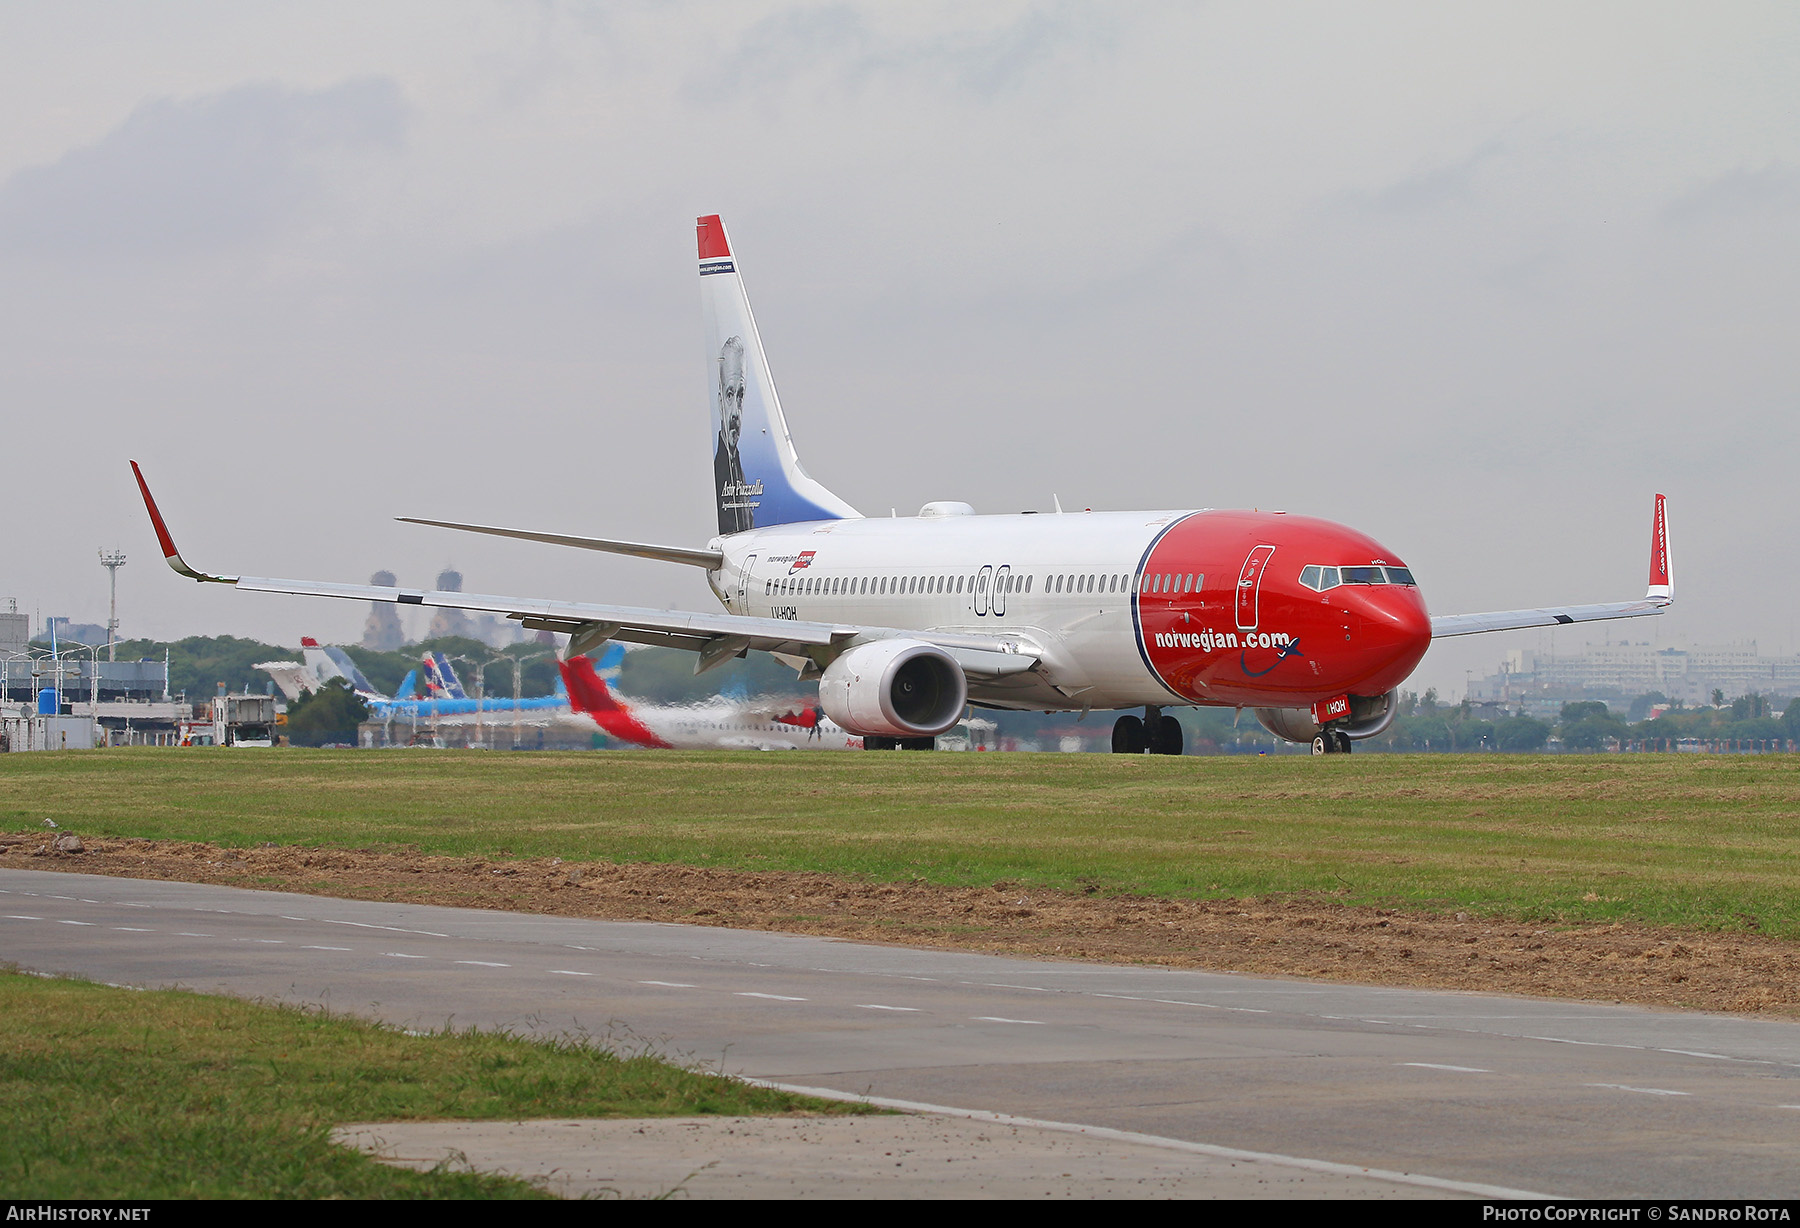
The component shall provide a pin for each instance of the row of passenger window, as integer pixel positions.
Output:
(882, 586)
(1171, 583)
(1321, 578)
(1318, 578)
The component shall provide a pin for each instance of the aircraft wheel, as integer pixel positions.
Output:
(1322, 745)
(874, 743)
(1343, 742)
(1128, 736)
(1169, 737)
(918, 743)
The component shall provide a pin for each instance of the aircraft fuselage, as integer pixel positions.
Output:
(1126, 608)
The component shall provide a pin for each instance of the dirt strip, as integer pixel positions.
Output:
(1305, 937)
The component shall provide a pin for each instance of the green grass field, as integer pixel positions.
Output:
(1709, 842)
(108, 1093)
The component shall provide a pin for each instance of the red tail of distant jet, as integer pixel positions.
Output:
(718, 724)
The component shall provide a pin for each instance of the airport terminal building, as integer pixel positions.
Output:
(71, 701)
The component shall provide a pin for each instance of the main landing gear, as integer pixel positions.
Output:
(1331, 742)
(1156, 733)
(872, 743)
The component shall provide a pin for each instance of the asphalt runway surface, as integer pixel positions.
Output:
(1453, 1092)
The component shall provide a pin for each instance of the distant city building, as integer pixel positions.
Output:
(1538, 684)
(69, 631)
(15, 634)
(490, 630)
(383, 633)
(450, 622)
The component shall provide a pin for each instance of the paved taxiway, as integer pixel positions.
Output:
(1459, 1091)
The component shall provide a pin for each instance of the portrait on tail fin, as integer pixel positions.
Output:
(737, 511)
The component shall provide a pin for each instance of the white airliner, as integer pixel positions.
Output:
(322, 663)
(720, 723)
(907, 621)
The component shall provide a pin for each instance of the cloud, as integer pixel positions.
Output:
(1440, 185)
(181, 176)
(1773, 191)
(837, 46)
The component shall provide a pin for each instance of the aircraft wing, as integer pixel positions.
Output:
(1550, 616)
(1658, 597)
(717, 637)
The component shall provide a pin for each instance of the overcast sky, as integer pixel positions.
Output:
(1475, 279)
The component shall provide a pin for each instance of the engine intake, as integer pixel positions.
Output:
(894, 688)
(1370, 715)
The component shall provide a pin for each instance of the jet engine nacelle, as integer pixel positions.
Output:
(1369, 715)
(894, 688)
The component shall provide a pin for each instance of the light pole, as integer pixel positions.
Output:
(517, 663)
(59, 662)
(478, 692)
(481, 692)
(112, 562)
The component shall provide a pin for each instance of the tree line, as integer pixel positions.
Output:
(1424, 724)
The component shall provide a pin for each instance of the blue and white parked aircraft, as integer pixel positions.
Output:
(444, 700)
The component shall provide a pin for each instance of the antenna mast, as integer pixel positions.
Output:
(112, 562)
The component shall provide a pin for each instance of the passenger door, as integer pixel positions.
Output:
(1249, 584)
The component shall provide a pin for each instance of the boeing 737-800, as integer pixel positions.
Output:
(906, 621)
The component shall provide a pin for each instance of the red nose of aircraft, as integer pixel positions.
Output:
(1389, 633)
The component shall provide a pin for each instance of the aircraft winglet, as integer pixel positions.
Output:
(171, 556)
(1662, 568)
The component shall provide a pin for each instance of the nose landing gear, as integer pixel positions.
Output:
(1331, 742)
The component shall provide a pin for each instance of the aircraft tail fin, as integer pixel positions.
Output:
(589, 694)
(440, 677)
(757, 477)
(291, 676)
(325, 662)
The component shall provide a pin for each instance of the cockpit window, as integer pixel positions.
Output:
(1320, 578)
